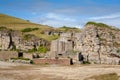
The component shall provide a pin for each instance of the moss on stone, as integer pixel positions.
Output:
(118, 51)
(116, 44)
(27, 36)
(102, 25)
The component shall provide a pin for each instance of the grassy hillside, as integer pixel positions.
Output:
(28, 27)
(102, 25)
(17, 23)
(24, 25)
(68, 29)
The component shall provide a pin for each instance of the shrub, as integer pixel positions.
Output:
(31, 50)
(116, 44)
(118, 51)
(3, 28)
(31, 62)
(29, 29)
(69, 28)
(35, 29)
(86, 62)
(21, 58)
(27, 36)
(14, 47)
(97, 24)
(42, 49)
(46, 63)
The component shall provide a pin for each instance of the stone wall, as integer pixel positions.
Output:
(28, 55)
(62, 45)
(52, 61)
(6, 55)
(15, 39)
(96, 43)
(4, 40)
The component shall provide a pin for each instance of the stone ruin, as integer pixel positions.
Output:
(15, 39)
(97, 44)
(60, 46)
(13, 56)
(53, 32)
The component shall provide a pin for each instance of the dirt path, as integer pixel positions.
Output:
(12, 71)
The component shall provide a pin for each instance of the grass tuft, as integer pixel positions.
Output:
(110, 76)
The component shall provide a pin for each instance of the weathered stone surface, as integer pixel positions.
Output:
(52, 61)
(99, 44)
(61, 46)
(6, 55)
(15, 39)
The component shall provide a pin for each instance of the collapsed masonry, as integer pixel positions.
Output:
(60, 46)
(98, 44)
(10, 40)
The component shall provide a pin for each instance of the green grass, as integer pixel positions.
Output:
(113, 35)
(29, 29)
(102, 25)
(110, 76)
(9, 22)
(50, 38)
(17, 23)
(27, 59)
(42, 49)
(3, 28)
(27, 36)
(116, 44)
(98, 24)
(118, 51)
(68, 29)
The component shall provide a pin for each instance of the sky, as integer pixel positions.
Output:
(58, 13)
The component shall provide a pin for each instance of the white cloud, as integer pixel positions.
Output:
(34, 13)
(57, 20)
(111, 16)
(59, 17)
(113, 22)
(111, 19)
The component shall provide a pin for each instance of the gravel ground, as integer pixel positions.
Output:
(13, 71)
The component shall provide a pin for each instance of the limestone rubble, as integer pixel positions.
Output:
(98, 44)
(16, 39)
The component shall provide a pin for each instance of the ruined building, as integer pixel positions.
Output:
(10, 40)
(99, 43)
(61, 46)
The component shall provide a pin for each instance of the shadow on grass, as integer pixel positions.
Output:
(110, 76)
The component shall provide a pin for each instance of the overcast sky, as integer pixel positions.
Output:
(57, 13)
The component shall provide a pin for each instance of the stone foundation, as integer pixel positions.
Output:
(6, 55)
(52, 61)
